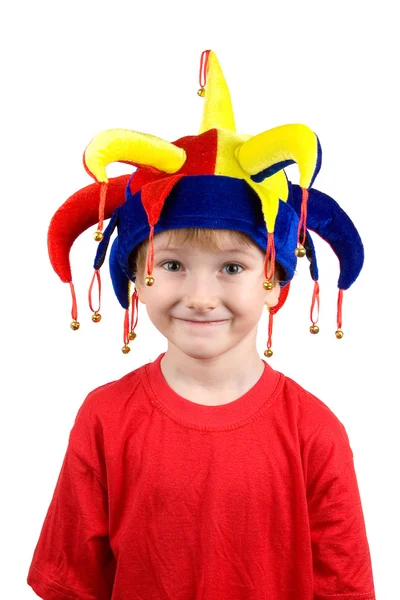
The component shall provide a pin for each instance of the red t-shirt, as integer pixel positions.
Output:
(160, 498)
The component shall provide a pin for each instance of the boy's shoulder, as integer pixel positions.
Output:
(314, 417)
(110, 397)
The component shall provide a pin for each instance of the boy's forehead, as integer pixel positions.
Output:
(226, 241)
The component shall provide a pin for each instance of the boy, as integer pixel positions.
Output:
(224, 311)
(206, 473)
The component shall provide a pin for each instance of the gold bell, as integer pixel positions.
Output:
(339, 334)
(98, 236)
(314, 329)
(300, 251)
(268, 353)
(149, 280)
(201, 92)
(268, 285)
(75, 325)
(131, 335)
(125, 349)
(96, 317)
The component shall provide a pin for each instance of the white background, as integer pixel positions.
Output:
(74, 69)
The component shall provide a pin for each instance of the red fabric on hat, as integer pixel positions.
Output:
(77, 214)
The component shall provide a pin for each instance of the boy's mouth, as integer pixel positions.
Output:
(202, 323)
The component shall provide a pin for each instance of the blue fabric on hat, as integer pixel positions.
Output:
(119, 280)
(220, 202)
(325, 217)
(103, 245)
(311, 255)
(209, 201)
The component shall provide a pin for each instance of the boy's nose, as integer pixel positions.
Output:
(201, 302)
(201, 292)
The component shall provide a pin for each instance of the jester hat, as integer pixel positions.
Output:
(217, 179)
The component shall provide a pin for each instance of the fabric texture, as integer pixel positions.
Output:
(161, 498)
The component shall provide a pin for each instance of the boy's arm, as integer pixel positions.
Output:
(341, 557)
(73, 557)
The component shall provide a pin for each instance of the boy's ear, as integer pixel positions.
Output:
(272, 296)
(140, 290)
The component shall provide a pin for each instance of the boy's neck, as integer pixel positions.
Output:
(212, 381)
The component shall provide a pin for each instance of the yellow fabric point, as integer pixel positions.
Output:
(287, 142)
(218, 111)
(123, 145)
(226, 163)
(278, 184)
(269, 191)
(269, 203)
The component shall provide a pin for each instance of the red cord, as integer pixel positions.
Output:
(203, 68)
(103, 193)
(150, 254)
(135, 312)
(96, 275)
(126, 327)
(315, 298)
(270, 325)
(303, 218)
(74, 311)
(339, 309)
(269, 263)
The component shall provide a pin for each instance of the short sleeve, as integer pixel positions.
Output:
(73, 558)
(341, 557)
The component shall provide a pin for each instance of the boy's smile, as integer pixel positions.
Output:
(198, 322)
(202, 326)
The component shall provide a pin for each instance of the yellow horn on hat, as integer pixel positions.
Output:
(123, 145)
(279, 145)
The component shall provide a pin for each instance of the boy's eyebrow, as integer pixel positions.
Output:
(243, 250)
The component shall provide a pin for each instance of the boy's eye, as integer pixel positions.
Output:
(171, 262)
(177, 263)
(235, 265)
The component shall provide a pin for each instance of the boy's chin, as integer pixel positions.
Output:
(207, 351)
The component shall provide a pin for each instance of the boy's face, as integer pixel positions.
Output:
(221, 291)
